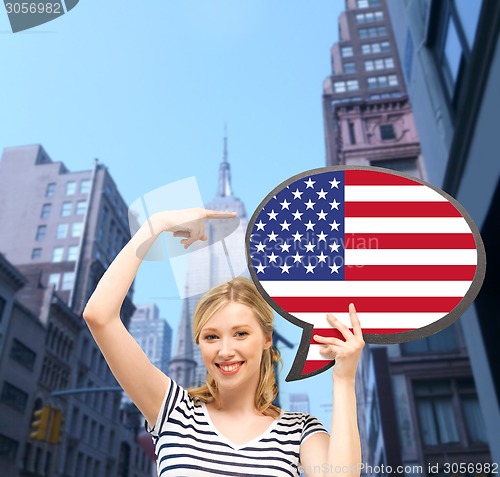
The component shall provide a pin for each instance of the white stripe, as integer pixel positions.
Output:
(406, 225)
(391, 194)
(314, 353)
(366, 288)
(410, 257)
(374, 320)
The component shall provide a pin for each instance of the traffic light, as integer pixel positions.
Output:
(40, 424)
(56, 429)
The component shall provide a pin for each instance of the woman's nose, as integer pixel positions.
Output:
(226, 349)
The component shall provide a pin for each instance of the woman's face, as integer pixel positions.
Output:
(231, 344)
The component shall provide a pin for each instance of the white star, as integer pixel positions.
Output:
(285, 225)
(285, 204)
(321, 236)
(309, 204)
(321, 194)
(334, 268)
(272, 215)
(334, 225)
(297, 194)
(285, 247)
(260, 247)
(309, 226)
(297, 215)
(285, 268)
(335, 183)
(322, 257)
(296, 236)
(272, 257)
(260, 225)
(334, 204)
(334, 247)
(260, 268)
(272, 237)
(309, 183)
(321, 215)
(310, 268)
(297, 257)
(310, 247)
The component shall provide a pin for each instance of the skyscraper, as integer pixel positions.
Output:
(410, 402)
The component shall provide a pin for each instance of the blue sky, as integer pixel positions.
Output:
(147, 87)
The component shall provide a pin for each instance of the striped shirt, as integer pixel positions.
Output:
(188, 444)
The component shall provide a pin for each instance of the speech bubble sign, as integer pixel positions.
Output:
(407, 255)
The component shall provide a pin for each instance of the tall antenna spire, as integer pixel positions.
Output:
(225, 172)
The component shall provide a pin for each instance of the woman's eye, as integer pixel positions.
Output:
(241, 333)
(210, 337)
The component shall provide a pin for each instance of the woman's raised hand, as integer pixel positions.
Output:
(345, 353)
(189, 223)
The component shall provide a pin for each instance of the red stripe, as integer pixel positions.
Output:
(314, 365)
(363, 177)
(400, 209)
(409, 272)
(377, 304)
(409, 241)
(335, 333)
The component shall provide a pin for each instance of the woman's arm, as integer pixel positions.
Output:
(144, 383)
(339, 454)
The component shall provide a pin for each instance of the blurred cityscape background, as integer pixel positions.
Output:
(413, 87)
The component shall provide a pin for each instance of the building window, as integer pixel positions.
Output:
(443, 342)
(379, 64)
(346, 51)
(373, 48)
(387, 132)
(72, 253)
(68, 280)
(70, 188)
(369, 17)
(367, 3)
(372, 32)
(352, 134)
(14, 397)
(81, 205)
(50, 190)
(22, 354)
(343, 86)
(57, 254)
(84, 186)
(45, 211)
(36, 253)
(40, 232)
(349, 67)
(76, 229)
(8, 448)
(66, 209)
(408, 165)
(54, 279)
(442, 404)
(62, 231)
(382, 81)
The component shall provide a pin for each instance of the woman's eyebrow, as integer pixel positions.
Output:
(243, 325)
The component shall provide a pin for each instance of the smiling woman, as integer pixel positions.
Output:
(229, 426)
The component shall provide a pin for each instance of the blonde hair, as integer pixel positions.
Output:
(240, 290)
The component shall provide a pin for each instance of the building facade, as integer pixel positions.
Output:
(60, 230)
(450, 50)
(417, 402)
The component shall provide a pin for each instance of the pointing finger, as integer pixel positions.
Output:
(356, 325)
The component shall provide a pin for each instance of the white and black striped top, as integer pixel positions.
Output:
(188, 444)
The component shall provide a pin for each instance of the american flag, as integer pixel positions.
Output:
(396, 248)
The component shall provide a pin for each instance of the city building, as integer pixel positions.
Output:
(60, 230)
(298, 402)
(415, 400)
(153, 334)
(451, 55)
